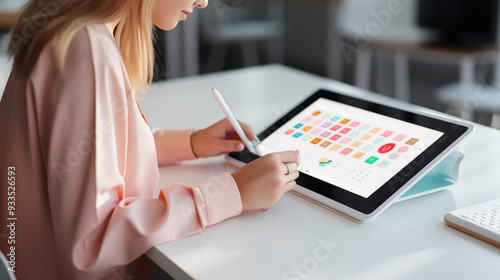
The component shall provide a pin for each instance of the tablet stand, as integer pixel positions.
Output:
(440, 177)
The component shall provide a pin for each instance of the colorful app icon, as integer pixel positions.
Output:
(399, 137)
(316, 141)
(306, 138)
(368, 148)
(355, 133)
(325, 134)
(316, 131)
(299, 125)
(324, 161)
(316, 122)
(356, 144)
(393, 156)
(335, 137)
(412, 141)
(371, 160)
(354, 124)
(335, 127)
(297, 135)
(345, 140)
(317, 113)
(307, 119)
(334, 119)
(325, 144)
(326, 125)
(290, 131)
(307, 128)
(366, 137)
(344, 121)
(335, 147)
(387, 133)
(403, 149)
(364, 127)
(345, 130)
(378, 141)
(358, 155)
(386, 148)
(383, 164)
(325, 116)
(346, 151)
(375, 130)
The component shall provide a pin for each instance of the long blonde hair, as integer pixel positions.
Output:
(56, 22)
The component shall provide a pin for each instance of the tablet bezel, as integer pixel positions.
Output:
(356, 206)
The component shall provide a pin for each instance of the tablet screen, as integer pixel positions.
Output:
(351, 148)
(358, 152)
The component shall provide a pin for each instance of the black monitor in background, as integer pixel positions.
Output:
(461, 23)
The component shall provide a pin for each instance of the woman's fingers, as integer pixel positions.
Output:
(290, 167)
(288, 157)
(248, 131)
(290, 185)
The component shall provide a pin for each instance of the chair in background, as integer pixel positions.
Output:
(229, 23)
(375, 29)
(475, 96)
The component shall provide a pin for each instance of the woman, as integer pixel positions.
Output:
(79, 164)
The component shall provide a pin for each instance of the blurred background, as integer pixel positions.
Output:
(438, 54)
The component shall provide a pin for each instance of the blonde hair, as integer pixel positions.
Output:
(56, 21)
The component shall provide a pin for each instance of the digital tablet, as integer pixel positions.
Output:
(358, 156)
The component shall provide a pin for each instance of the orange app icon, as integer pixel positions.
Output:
(316, 140)
(375, 130)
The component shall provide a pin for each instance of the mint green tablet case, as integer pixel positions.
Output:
(440, 177)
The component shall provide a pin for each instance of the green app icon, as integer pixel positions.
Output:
(371, 160)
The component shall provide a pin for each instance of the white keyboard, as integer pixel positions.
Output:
(481, 221)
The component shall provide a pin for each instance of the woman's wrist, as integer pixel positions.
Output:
(192, 145)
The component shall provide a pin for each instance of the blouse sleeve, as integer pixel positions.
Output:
(102, 170)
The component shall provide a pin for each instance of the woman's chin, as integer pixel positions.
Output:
(166, 27)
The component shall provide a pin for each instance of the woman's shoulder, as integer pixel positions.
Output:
(91, 48)
(95, 40)
(92, 57)
(92, 44)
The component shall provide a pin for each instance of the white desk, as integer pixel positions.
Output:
(408, 241)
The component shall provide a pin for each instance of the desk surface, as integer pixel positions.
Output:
(296, 239)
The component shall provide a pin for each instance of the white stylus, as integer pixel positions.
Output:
(233, 120)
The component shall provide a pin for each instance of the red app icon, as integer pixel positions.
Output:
(386, 148)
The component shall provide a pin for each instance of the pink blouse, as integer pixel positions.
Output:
(84, 169)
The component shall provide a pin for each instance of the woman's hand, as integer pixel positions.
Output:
(263, 181)
(220, 138)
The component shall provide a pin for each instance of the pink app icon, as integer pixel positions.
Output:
(316, 131)
(346, 151)
(399, 137)
(335, 137)
(387, 133)
(345, 140)
(403, 149)
(354, 124)
(335, 127)
(345, 130)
